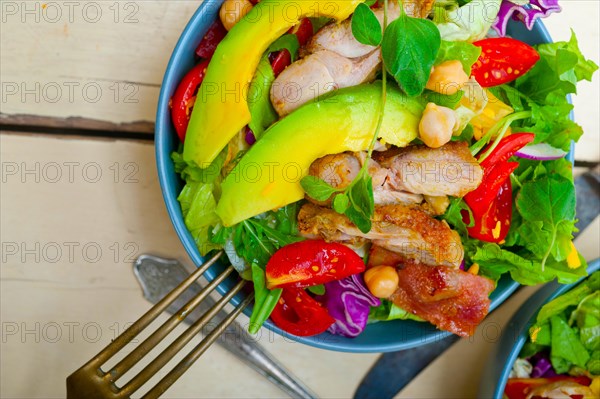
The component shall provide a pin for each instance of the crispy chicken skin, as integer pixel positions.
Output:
(407, 230)
(448, 170)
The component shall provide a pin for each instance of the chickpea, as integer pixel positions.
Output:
(436, 126)
(232, 11)
(447, 78)
(382, 281)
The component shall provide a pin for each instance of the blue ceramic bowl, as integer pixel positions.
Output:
(380, 337)
(515, 335)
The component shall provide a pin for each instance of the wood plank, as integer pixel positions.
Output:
(126, 60)
(59, 308)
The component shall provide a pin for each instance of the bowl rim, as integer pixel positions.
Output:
(514, 336)
(164, 135)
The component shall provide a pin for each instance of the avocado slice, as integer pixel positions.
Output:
(221, 105)
(268, 175)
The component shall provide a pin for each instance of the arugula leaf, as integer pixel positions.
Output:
(192, 173)
(464, 52)
(264, 299)
(365, 26)
(409, 49)
(317, 188)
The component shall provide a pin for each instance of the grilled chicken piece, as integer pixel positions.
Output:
(320, 73)
(409, 231)
(339, 37)
(448, 170)
(451, 299)
(338, 170)
(436, 205)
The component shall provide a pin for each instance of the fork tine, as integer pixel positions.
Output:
(165, 356)
(191, 357)
(142, 350)
(149, 316)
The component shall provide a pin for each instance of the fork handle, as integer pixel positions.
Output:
(158, 276)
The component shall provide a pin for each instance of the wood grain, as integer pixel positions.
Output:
(123, 57)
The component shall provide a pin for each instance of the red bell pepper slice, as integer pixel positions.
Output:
(215, 33)
(491, 202)
(303, 31)
(299, 314)
(183, 100)
(519, 388)
(502, 60)
(311, 262)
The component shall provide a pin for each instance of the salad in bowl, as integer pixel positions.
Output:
(362, 162)
(561, 357)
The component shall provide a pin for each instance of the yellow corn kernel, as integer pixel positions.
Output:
(474, 269)
(534, 333)
(573, 259)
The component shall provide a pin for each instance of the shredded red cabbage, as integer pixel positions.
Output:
(348, 301)
(527, 14)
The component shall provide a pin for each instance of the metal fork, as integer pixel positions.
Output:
(91, 382)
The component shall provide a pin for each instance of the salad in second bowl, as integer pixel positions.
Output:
(561, 358)
(368, 161)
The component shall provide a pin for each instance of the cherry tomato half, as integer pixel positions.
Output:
(502, 60)
(183, 100)
(311, 262)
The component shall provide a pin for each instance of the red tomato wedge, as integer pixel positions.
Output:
(299, 314)
(184, 98)
(502, 60)
(311, 262)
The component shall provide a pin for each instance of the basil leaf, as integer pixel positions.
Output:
(362, 204)
(341, 203)
(409, 48)
(287, 42)
(317, 188)
(365, 26)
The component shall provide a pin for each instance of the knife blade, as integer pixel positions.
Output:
(158, 276)
(394, 370)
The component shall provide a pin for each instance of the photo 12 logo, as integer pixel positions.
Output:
(53, 12)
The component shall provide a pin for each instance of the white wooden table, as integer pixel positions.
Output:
(80, 200)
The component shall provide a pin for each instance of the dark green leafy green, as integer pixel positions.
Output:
(548, 202)
(262, 112)
(409, 49)
(362, 204)
(365, 26)
(341, 203)
(566, 348)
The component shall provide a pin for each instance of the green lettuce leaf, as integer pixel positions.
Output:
(464, 52)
